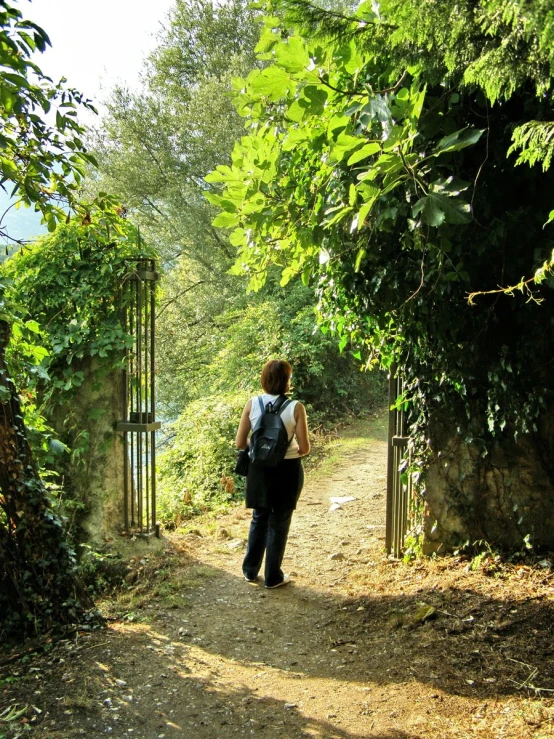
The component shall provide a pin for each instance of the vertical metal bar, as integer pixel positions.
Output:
(396, 501)
(125, 481)
(153, 344)
(145, 326)
(401, 507)
(144, 399)
(140, 453)
(133, 477)
(147, 481)
(139, 350)
(153, 393)
(138, 381)
(401, 413)
(390, 464)
(125, 380)
(137, 403)
(154, 516)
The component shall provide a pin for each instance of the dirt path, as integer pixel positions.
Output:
(356, 646)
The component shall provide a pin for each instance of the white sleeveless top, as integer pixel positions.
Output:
(287, 417)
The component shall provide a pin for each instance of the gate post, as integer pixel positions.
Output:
(139, 425)
(399, 493)
(390, 470)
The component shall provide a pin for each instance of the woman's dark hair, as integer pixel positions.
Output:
(275, 376)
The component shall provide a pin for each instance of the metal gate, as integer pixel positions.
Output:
(139, 401)
(399, 482)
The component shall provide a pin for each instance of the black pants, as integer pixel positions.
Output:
(268, 534)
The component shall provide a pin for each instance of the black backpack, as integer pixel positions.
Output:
(269, 440)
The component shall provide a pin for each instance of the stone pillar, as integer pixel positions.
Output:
(504, 498)
(94, 476)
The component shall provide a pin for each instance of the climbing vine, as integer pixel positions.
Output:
(70, 286)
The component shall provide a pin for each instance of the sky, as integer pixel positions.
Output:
(96, 44)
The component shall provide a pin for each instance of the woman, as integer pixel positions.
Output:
(273, 491)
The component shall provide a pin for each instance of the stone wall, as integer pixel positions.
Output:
(95, 478)
(501, 498)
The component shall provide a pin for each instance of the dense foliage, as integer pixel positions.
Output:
(42, 162)
(196, 471)
(155, 147)
(69, 288)
(378, 166)
(274, 322)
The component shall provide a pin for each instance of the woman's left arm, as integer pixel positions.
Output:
(241, 439)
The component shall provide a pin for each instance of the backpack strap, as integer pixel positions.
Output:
(277, 406)
(281, 407)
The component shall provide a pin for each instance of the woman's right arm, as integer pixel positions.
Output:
(301, 430)
(241, 439)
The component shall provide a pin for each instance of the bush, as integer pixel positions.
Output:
(196, 472)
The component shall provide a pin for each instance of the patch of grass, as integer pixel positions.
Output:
(157, 585)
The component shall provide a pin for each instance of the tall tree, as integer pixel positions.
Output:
(155, 148)
(380, 166)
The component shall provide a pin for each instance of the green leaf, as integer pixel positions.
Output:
(225, 220)
(458, 140)
(431, 212)
(364, 152)
(32, 326)
(238, 237)
(342, 213)
(314, 99)
(255, 204)
(221, 202)
(267, 41)
(292, 55)
(273, 83)
(17, 80)
(366, 10)
(450, 186)
(9, 169)
(311, 103)
(345, 144)
(396, 137)
(348, 56)
(223, 173)
(364, 211)
(336, 124)
(437, 209)
(376, 108)
(294, 137)
(359, 257)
